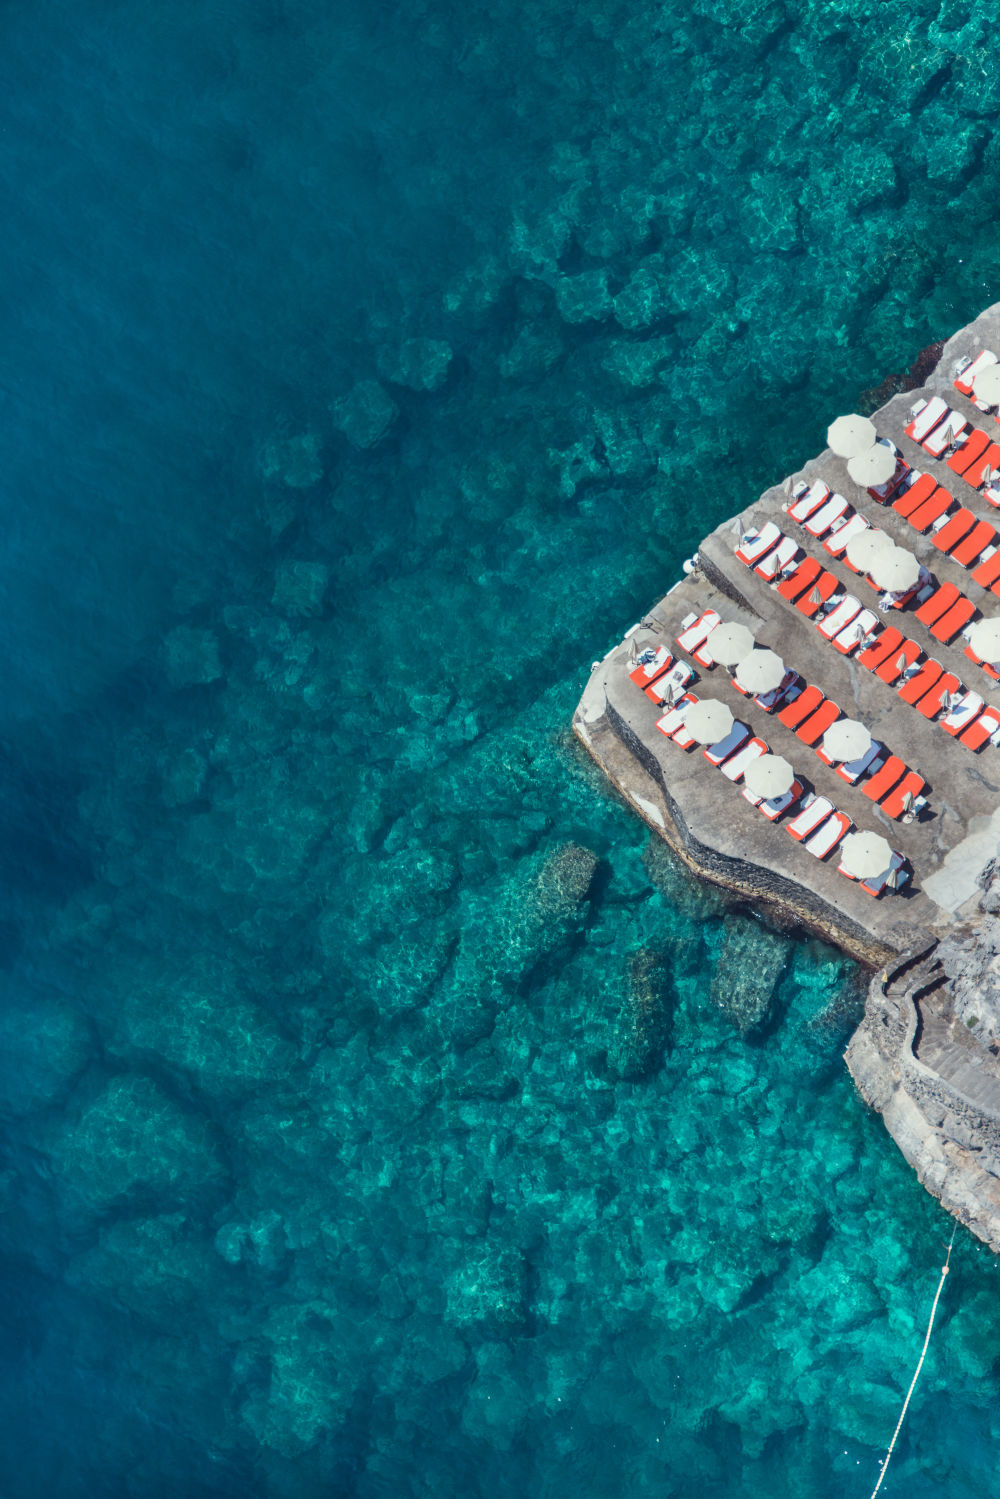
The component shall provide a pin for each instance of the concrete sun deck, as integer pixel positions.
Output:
(706, 817)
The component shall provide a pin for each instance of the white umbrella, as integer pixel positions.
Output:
(770, 775)
(708, 720)
(729, 643)
(847, 739)
(986, 385)
(850, 435)
(873, 466)
(761, 671)
(895, 570)
(862, 550)
(865, 854)
(984, 637)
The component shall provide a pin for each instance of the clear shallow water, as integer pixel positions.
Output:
(364, 376)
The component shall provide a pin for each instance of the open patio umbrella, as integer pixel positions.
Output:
(761, 671)
(865, 854)
(850, 435)
(847, 739)
(895, 570)
(771, 775)
(708, 720)
(873, 466)
(729, 643)
(986, 385)
(984, 637)
(862, 550)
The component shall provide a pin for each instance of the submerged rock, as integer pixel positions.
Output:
(491, 1291)
(365, 414)
(419, 363)
(295, 461)
(643, 1026)
(192, 657)
(749, 966)
(692, 896)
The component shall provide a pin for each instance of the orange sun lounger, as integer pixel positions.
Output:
(938, 604)
(956, 619)
(978, 539)
(816, 726)
(911, 785)
(976, 472)
(988, 572)
(931, 510)
(901, 660)
(826, 586)
(890, 640)
(800, 708)
(973, 447)
(922, 680)
(802, 578)
(954, 529)
(918, 492)
(933, 702)
(985, 725)
(883, 780)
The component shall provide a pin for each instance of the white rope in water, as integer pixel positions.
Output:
(920, 1363)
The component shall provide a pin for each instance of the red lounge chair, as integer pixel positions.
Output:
(758, 543)
(911, 785)
(927, 418)
(802, 578)
(727, 745)
(986, 665)
(773, 808)
(965, 380)
(931, 510)
(956, 619)
(839, 618)
(883, 493)
(919, 491)
(890, 640)
(819, 523)
(972, 448)
(953, 430)
(825, 587)
(737, 764)
(963, 714)
(697, 633)
(809, 819)
(979, 538)
(841, 539)
(672, 721)
(798, 711)
(784, 554)
(874, 886)
(815, 727)
(987, 573)
(807, 504)
(985, 725)
(644, 674)
(938, 604)
(953, 530)
(882, 782)
(931, 704)
(922, 681)
(901, 660)
(859, 628)
(976, 472)
(830, 834)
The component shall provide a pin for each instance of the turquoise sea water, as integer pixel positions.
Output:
(374, 1116)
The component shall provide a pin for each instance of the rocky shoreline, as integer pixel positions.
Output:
(926, 1056)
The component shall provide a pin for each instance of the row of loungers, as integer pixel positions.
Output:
(946, 612)
(817, 824)
(807, 711)
(968, 451)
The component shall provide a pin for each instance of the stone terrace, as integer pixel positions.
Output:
(707, 818)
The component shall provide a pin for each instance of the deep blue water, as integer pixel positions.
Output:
(364, 374)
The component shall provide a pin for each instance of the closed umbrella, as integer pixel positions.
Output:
(862, 550)
(865, 855)
(761, 671)
(708, 720)
(895, 570)
(986, 385)
(729, 643)
(873, 466)
(850, 435)
(847, 739)
(984, 637)
(770, 775)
